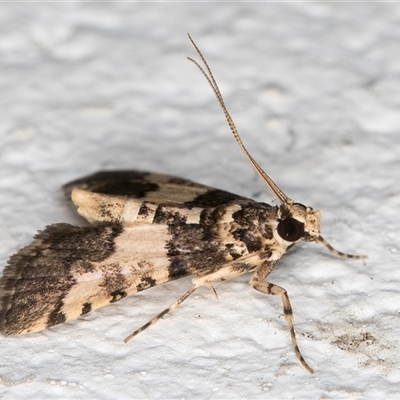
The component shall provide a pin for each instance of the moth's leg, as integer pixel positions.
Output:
(213, 290)
(258, 283)
(339, 253)
(223, 273)
(162, 313)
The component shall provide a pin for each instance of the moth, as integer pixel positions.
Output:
(149, 229)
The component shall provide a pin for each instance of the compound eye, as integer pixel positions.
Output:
(290, 229)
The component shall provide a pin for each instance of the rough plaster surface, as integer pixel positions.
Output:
(315, 91)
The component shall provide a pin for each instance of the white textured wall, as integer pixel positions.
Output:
(315, 91)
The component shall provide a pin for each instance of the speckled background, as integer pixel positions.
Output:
(315, 91)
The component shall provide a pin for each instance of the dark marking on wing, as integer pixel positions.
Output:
(123, 183)
(106, 213)
(117, 295)
(83, 265)
(114, 282)
(57, 316)
(250, 214)
(189, 253)
(207, 217)
(164, 216)
(146, 283)
(232, 251)
(39, 276)
(86, 308)
(145, 210)
(184, 182)
(157, 188)
(214, 198)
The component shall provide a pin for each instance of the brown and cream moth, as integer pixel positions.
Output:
(149, 229)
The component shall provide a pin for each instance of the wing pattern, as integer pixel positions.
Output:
(149, 229)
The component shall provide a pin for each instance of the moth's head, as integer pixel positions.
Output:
(298, 222)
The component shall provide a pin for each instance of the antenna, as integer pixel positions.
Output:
(211, 80)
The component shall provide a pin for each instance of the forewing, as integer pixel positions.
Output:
(68, 271)
(134, 196)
